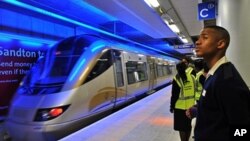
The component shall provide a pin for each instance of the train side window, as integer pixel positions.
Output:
(142, 71)
(169, 69)
(136, 71)
(131, 68)
(165, 70)
(101, 66)
(159, 70)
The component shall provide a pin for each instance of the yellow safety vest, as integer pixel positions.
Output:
(187, 92)
(199, 87)
(189, 70)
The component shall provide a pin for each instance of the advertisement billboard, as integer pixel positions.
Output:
(16, 59)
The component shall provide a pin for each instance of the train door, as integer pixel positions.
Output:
(121, 87)
(152, 73)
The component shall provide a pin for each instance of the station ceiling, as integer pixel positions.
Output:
(133, 19)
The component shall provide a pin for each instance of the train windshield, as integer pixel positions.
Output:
(50, 72)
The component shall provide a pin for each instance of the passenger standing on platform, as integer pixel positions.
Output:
(225, 100)
(182, 99)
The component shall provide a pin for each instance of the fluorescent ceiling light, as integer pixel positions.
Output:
(153, 3)
(184, 40)
(174, 28)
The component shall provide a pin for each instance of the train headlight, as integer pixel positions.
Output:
(49, 113)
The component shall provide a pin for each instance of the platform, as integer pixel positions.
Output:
(146, 120)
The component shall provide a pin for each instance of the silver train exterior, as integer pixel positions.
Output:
(79, 78)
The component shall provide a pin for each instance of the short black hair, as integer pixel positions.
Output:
(223, 32)
(188, 59)
(181, 67)
(198, 64)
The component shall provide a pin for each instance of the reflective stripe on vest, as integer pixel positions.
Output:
(187, 92)
(189, 70)
(198, 89)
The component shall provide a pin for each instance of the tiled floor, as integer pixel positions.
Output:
(146, 120)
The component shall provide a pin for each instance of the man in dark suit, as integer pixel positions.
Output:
(225, 99)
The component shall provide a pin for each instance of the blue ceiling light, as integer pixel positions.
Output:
(65, 19)
(47, 13)
(31, 41)
(4, 39)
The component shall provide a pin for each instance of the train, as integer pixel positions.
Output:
(80, 78)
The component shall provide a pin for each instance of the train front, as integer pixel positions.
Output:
(40, 108)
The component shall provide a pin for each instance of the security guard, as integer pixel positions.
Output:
(186, 96)
(183, 93)
(200, 77)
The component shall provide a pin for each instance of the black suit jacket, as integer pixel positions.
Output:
(224, 103)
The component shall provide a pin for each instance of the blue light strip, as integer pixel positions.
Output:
(4, 39)
(31, 43)
(47, 13)
(97, 45)
(7, 37)
(96, 48)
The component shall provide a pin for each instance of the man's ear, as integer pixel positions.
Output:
(221, 44)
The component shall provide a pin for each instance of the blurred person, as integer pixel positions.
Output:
(182, 99)
(201, 72)
(190, 66)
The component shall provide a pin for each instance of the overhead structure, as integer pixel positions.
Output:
(161, 28)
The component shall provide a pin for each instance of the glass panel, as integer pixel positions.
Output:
(159, 70)
(101, 66)
(136, 71)
(49, 74)
(142, 71)
(131, 68)
(165, 70)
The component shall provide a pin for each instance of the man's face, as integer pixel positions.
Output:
(206, 45)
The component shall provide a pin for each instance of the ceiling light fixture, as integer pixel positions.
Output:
(184, 40)
(180, 31)
(153, 3)
(174, 28)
